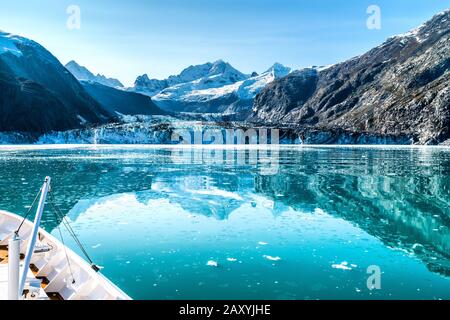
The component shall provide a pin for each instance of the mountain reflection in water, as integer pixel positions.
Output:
(400, 196)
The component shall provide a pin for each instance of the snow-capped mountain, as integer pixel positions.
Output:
(226, 91)
(37, 94)
(209, 88)
(82, 73)
(244, 89)
(220, 74)
(210, 74)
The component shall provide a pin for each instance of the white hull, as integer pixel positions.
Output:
(52, 268)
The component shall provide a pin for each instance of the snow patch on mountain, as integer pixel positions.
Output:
(223, 84)
(208, 75)
(416, 32)
(8, 44)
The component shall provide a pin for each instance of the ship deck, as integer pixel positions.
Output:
(4, 277)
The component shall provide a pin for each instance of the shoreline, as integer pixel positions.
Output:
(215, 146)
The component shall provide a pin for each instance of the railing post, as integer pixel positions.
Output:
(13, 267)
(34, 234)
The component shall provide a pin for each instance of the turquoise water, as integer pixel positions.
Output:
(289, 223)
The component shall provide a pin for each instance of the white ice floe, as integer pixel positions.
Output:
(343, 266)
(271, 258)
(262, 243)
(212, 263)
(232, 259)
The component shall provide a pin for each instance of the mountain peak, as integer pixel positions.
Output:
(83, 73)
(221, 67)
(42, 82)
(438, 24)
(396, 80)
(144, 77)
(72, 63)
(278, 70)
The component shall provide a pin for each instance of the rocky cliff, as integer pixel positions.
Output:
(398, 89)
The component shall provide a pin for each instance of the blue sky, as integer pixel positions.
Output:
(124, 39)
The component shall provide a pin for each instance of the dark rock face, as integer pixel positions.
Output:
(286, 94)
(400, 88)
(124, 102)
(229, 105)
(149, 86)
(37, 94)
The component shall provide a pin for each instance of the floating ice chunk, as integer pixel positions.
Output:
(96, 246)
(262, 243)
(232, 259)
(271, 258)
(212, 263)
(343, 266)
(319, 211)
(268, 204)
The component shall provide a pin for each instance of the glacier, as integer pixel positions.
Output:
(168, 130)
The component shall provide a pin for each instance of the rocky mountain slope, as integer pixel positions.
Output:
(83, 74)
(400, 88)
(118, 101)
(37, 94)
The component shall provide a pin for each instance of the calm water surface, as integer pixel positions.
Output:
(289, 223)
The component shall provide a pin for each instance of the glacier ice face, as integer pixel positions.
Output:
(127, 133)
